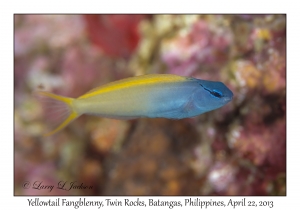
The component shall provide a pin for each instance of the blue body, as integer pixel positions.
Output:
(187, 99)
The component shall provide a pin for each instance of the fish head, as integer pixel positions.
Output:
(211, 95)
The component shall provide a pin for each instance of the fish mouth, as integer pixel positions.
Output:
(228, 98)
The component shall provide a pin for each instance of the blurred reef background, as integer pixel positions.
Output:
(239, 149)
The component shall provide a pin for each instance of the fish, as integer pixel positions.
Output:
(151, 95)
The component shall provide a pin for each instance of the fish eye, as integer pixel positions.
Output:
(216, 94)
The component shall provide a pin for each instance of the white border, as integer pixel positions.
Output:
(8, 8)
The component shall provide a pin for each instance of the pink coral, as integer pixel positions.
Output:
(116, 35)
(221, 176)
(264, 145)
(201, 46)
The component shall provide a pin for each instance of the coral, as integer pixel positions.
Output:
(116, 35)
(198, 47)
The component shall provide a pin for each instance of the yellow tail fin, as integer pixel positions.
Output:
(60, 104)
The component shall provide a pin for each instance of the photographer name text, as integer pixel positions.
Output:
(62, 185)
